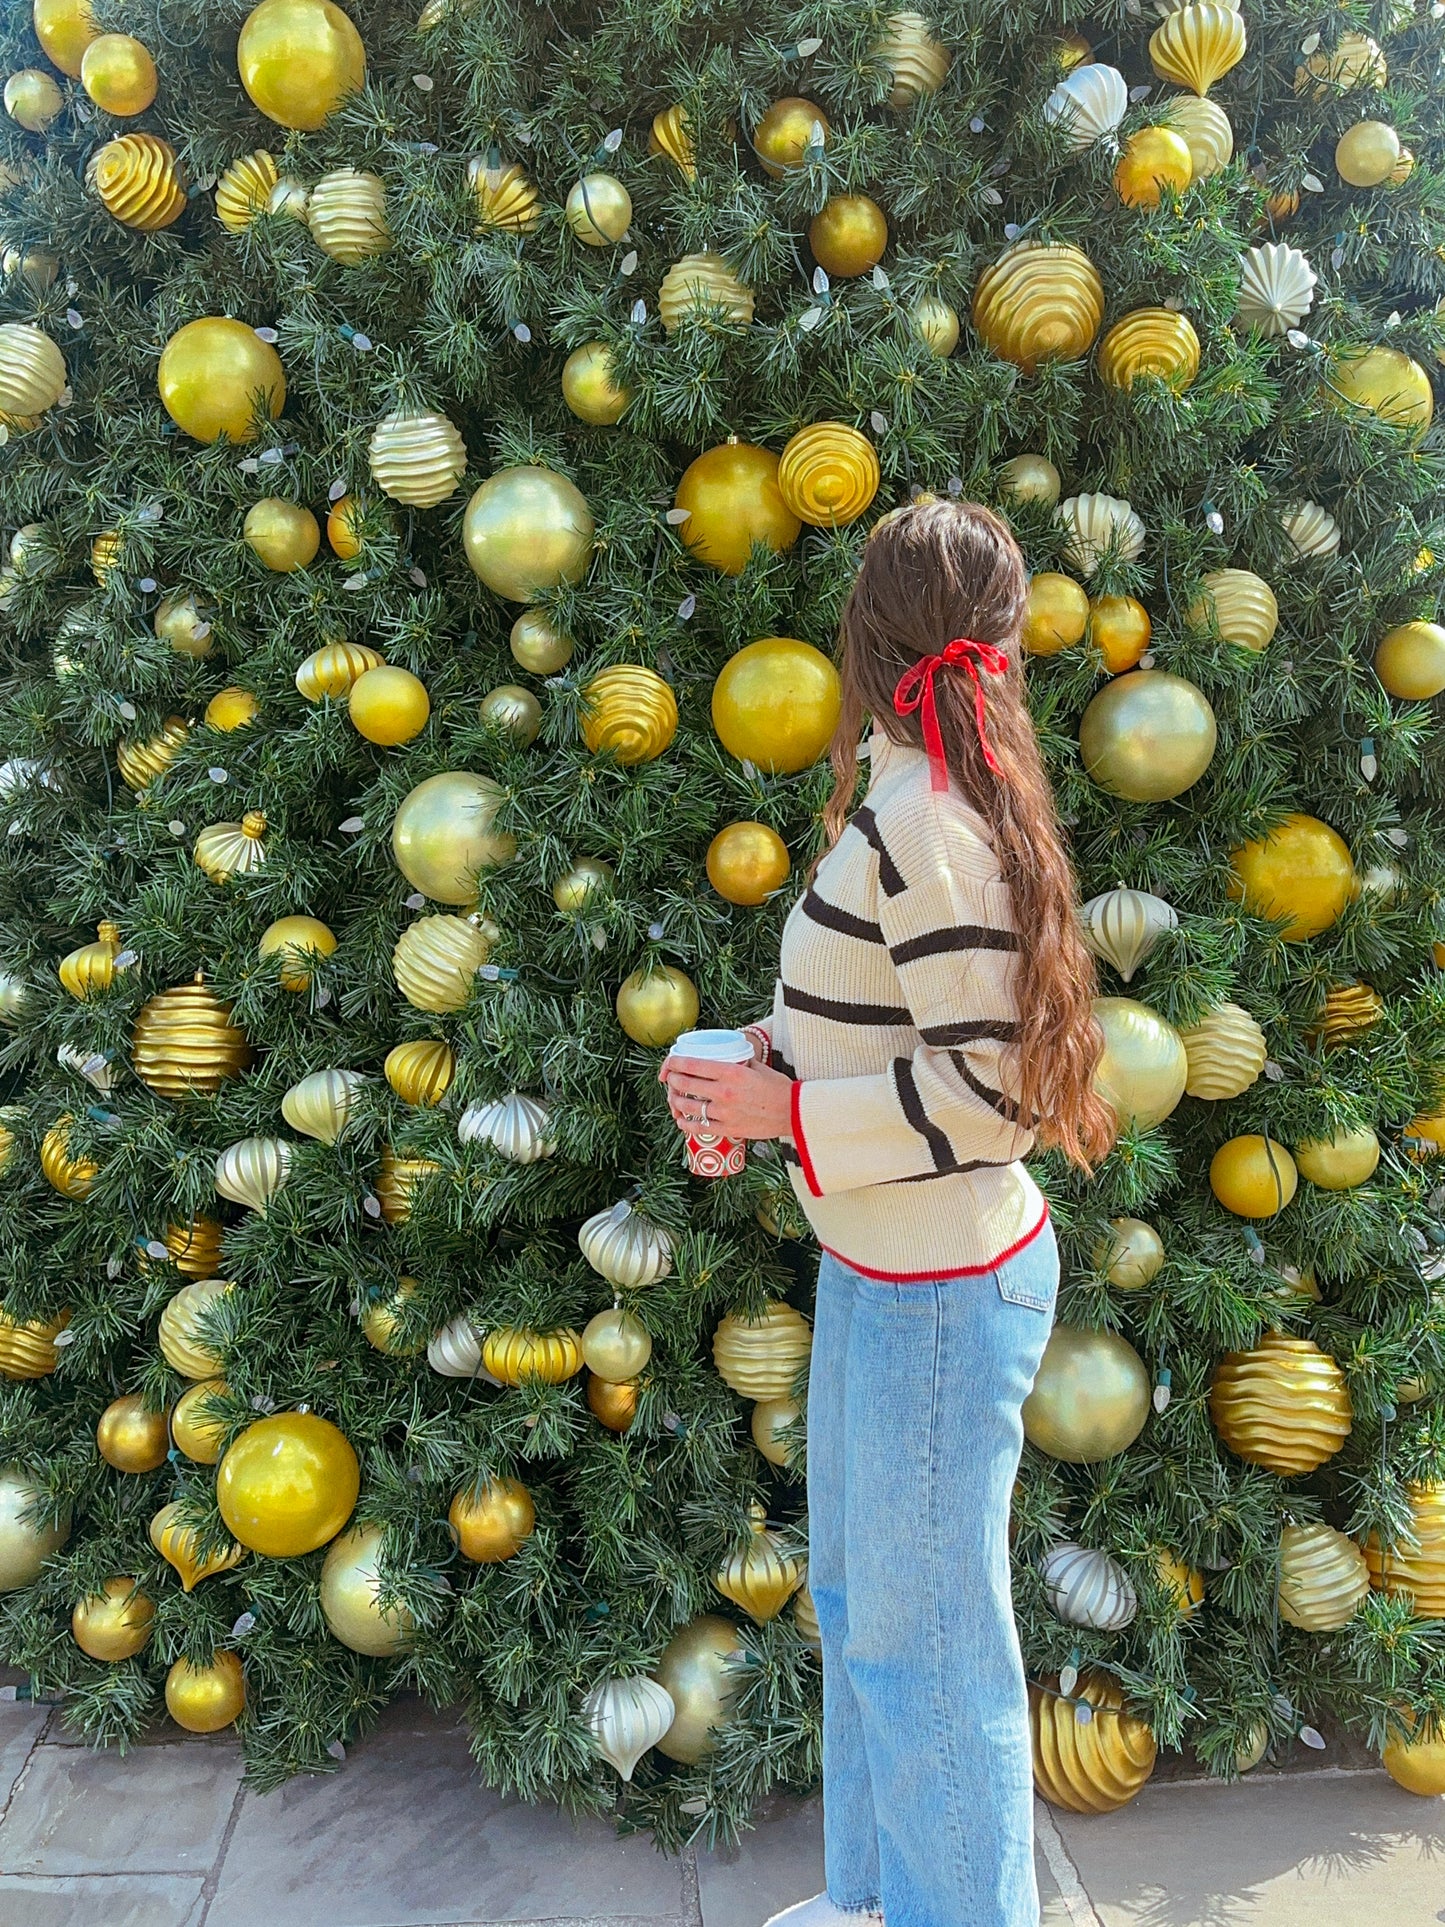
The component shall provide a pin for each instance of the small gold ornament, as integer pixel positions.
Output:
(106, 552)
(1204, 128)
(1355, 61)
(444, 836)
(733, 503)
(139, 182)
(32, 372)
(1141, 1073)
(397, 1179)
(184, 624)
(210, 374)
(206, 1699)
(344, 527)
(1252, 1176)
(773, 1428)
(299, 59)
(517, 1128)
(537, 647)
(1039, 303)
(416, 456)
(616, 1346)
(25, 1545)
(1410, 660)
(179, 1334)
(1239, 605)
(64, 28)
(227, 850)
(1197, 45)
(383, 1322)
(1384, 383)
(1367, 154)
(828, 475)
(747, 863)
(1132, 1256)
(1227, 1052)
(760, 1358)
(184, 1043)
(347, 216)
(492, 1521)
(614, 1406)
(848, 235)
(1322, 1578)
(776, 704)
(507, 201)
(114, 1623)
(1415, 1565)
(1417, 1764)
(1095, 1765)
(32, 99)
(252, 1170)
(672, 135)
(576, 887)
(27, 1345)
(284, 535)
(703, 289)
(1147, 736)
(513, 710)
(1184, 1583)
(527, 530)
(1056, 614)
(420, 1072)
(130, 1437)
(195, 1428)
(230, 709)
(763, 1576)
(514, 1356)
(142, 762)
(701, 1667)
(71, 1176)
(388, 705)
(1090, 1398)
(630, 713)
(180, 1546)
(1154, 158)
(1120, 629)
(598, 210)
(92, 966)
(330, 671)
(350, 1596)
(1340, 1162)
(1403, 168)
(590, 387)
(936, 324)
(436, 960)
(792, 133)
(294, 939)
(1348, 1012)
(320, 1103)
(1284, 1405)
(244, 190)
(1150, 341)
(288, 1484)
(1310, 530)
(1300, 875)
(119, 75)
(916, 60)
(1030, 478)
(655, 1006)
(625, 1247)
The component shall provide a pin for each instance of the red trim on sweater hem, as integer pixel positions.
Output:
(928, 1277)
(800, 1143)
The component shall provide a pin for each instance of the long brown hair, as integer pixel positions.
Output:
(933, 571)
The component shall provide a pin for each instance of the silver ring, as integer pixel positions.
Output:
(703, 1118)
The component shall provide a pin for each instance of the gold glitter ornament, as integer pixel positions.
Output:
(528, 530)
(1197, 46)
(194, 1247)
(701, 1668)
(629, 712)
(227, 850)
(346, 213)
(397, 1179)
(117, 71)
(760, 1358)
(1239, 605)
(1094, 1765)
(299, 59)
(32, 99)
(828, 474)
(139, 182)
(436, 960)
(92, 966)
(330, 671)
(32, 372)
(417, 457)
(514, 1355)
(492, 1521)
(598, 209)
(210, 374)
(1349, 1010)
(114, 1623)
(1322, 1578)
(1253, 1176)
(244, 190)
(1132, 1256)
(590, 388)
(64, 28)
(791, 133)
(71, 1176)
(252, 1170)
(420, 1072)
(763, 1576)
(1039, 303)
(230, 709)
(703, 289)
(184, 1043)
(27, 1345)
(444, 835)
(179, 1545)
(320, 1103)
(1284, 1405)
(25, 1545)
(194, 1428)
(206, 1699)
(284, 535)
(142, 762)
(916, 60)
(350, 1596)
(179, 1333)
(936, 324)
(1150, 341)
(507, 201)
(1090, 1397)
(1339, 1162)
(1415, 1564)
(625, 1247)
(655, 1006)
(848, 235)
(1226, 1051)
(672, 135)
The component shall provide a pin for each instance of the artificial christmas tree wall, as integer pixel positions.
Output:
(597, 344)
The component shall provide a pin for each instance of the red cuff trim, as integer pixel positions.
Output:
(929, 1277)
(800, 1143)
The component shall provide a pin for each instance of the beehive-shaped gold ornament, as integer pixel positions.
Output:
(184, 1043)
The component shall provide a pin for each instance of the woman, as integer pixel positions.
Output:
(931, 1025)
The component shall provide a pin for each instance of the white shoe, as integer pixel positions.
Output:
(820, 1912)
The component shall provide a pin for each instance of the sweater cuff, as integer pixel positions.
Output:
(800, 1143)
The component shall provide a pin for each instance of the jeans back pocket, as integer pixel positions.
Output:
(1031, 1278)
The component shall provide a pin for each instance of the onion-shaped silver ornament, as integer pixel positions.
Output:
(515, 1126)
(628, 1249)
(626, 1717)
(1122, 926)
(1088, 1588)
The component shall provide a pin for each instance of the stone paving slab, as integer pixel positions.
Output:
(163, 1809)
(121, 1900)
(20, 1727)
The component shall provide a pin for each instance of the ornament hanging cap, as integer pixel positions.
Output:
(915, 692)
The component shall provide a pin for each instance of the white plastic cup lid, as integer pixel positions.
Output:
(714, 1046)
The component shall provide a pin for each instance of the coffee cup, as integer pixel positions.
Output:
(709, 1153)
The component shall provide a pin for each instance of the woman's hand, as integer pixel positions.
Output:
(728, 1100)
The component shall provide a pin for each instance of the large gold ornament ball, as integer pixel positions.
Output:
(1154, 158)
(848, 235)
(27, 1345)
(114, 1623)
(629, 712)
(118, 73)
(616, 1345)
(1095, 1765)
(195, 1428)
(590, 387)
(733, 503)
(32, 372)
(701, 1668)
(350, 1585)
(1056, 614)
(130, 1437)
(1252, 1176)
(1285, 1405)
(1142, 1072)
(527, 530)
(1385, 383)
(1410, 660)
(1415, 1564)
(1341, 1161)
(388, 705)
(1090, 1398)
(493, 1521)
(775, 704)
(299, 59)
(284, 535)
(1147, 736)
(1300, 875)
(828, 474)
(1039, 303)
(747, 862)
(537, 647)
(787, 132)
(64, 28)
(210, 374)
(655, 1006)
(32, 99)
(1367, 154)
(1417, 1765)
(185, 1045)
(25, 1545)
(206, 1699)
(1322, 1577)
(444, 835)
(598, 210)
(288, 1484)
(294, 939)
(761, 1357)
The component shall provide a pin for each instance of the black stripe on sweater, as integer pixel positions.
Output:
(939, 1147)
(818, 910)
(959, 936)
(995, 1030)
(995, 1100)
(845, 1013)
(957, 1171)
(889, 874)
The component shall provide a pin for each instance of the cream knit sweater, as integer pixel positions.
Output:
(893, 1011)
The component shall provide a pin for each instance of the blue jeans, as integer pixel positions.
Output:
(914, 1437)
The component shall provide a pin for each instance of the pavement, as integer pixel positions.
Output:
(404, 1835)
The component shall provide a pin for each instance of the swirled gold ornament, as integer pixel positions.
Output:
(528, 530)
(629, 713)
(420, 1072)
(330, 671)
(672, 135)
(179, 1333)
(436, 960)
(27, 1345)
(206, 1699)
(226, 850)
(252, 1170)
(244, 190)
(1239, 605)
(184, 1043)
(1142, 1070)
(763, 1576)
(1284, 1405)
(347, 216)
(71, 1176)
(417, 456)
(1094, 1765)
(1150, 341)
(1204, 127)
(828, 474)
(656, 1006)
(514, 1355)
(1090, 1398)
(1197, 45)
(1300, 875)
(703, 289)
(92, 966)
(319, 1104)
(299, 59)
(180, 1546)
(142, 761)
(916, 60)
(1226, 1051)
(64, 28)
(1323, 1577)
(210, 375)
(350, 1596)
(139, 181)
(1415, 1565)
(397, 1179)
(1039, 303)
(492, 1521)
(194, 1247)
(114, 1623)
(507, 201)
(761, 1357)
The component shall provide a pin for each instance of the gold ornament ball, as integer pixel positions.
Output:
(1410, 660)
(206, 1699)
(598, 210)
(776, 703)
(1300, 875)
(614, 1406)
(576, 887)
(916, 60)
(1142, 1072)
(417, 458)
(655, 1006)
(1285, 1405)
(288, 1484)
(1417, 1765)
(1120, 629)
(285, 535)
(1091, 1766)
(702, 289)
(294, 939)
(1367, 154)
(71, 1176)
(350, 1585)
(244, 190)
(936, 324)
(513, 710)
(537, 647)
(388, 705)
(1182, 1582)
(381, 1322)
(195, 1429)
(184, 625)
(27, 1346)
(1322, 1578)
(527, 530)
(299, 59)
(507, 200)
(492, 1522)
(848, 235)
(343, 528)
(1340, 1162)
(616, 1346)
(119, 74)
(184, 1346)
(64, 28)
(1030, 478)
(785, 133)
(1150, 341)
(231, 709)
(32, 99)
(733, 504)
(701, 1668)
(1154, 158)
(772, 1419)
(114, 1623)
(1385, 383)
(130, 1437)
(24, 1545)
(747, 862)
(1132, 1256)
(1252, 1176)
(346, 214)
(1227, 1052)
(761, 1577)
(210, 374)
(443, 835)
(629, 712)
(828, 474)
(1090, 1398)
(436, 960)
(184, 1043)
(671, 134)
(1039, 303)
(1056, 614)
(331, 670)
(1147, 736)
(590, 387)
(92, 966)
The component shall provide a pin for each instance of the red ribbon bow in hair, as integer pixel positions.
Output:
(915, 691)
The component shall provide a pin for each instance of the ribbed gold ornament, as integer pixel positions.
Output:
(760, 1358)
(397, 1178)
(420, 1072)
(506, 199)
(195, 1247)
(1204, 128)
(252, 1170)
(184, 1043)
(27, 1345)
(139, 181)
(1226, 1051)
(347, 216)
(1240, 605)
(1039, 303)
(671, 135)
(1197, 45)
(630, 712)
(917, 61)
(179, 1332)
(435, 961)
(417, 457)
(1284, 1405)
(244, 190)
(763, 1575)
(319, 1104)
(71, 1176)
(513, 1355)
(1322, 1577)
(1095, 1765)
(828, 474)
(141, 762)
(1150, 341)
(1349, 1010)
(92, 966)
(226, 850)
(703, 289)
(180, 1546)
(1417, 1569)
(330, 671)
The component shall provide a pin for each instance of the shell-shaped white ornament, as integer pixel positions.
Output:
(1312, 530)
(626, 1717)
(253, 1170)
(456, 1351)
(1098, 525)
(515, 1126)
(95, 1066)
(319, 1104)
(1122, 926)
(1203, 126)
(1088, 1588)
(1087, 104)
(628, 1249)
(1276, 288)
